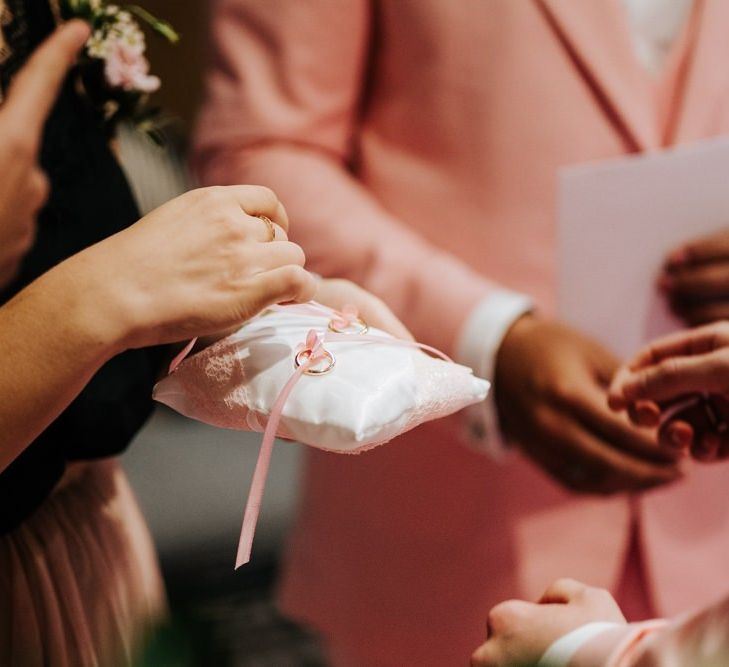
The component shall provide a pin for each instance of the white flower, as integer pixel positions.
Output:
(98, 45)
(131, 36)
(120, 43)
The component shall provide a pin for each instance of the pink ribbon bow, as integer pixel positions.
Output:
(346, 318)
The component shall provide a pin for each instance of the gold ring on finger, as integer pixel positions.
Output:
(270, 226)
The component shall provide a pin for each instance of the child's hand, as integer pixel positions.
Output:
(520, 632)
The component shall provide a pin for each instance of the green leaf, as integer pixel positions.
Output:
(158, 25)
(78, 8)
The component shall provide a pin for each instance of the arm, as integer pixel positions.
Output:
(574, 625)
(52, 346)
(700, 640)
(283, 100)
(197, 265)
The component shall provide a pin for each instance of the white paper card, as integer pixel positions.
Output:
(618, 219)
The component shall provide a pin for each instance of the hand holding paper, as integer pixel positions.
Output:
(628, 225)
(695, 279)
(551, 393)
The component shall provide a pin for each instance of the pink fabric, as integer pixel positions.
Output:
(258, 483)
(421, 139)
(632, 591)
(612, 647)
(699, 639)
(79, 580)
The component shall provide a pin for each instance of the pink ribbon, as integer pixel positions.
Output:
(346, 318)
(314, 346)
(180, 357)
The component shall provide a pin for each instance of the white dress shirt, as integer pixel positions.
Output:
(654, 26)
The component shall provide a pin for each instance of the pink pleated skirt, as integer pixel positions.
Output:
(79, 581)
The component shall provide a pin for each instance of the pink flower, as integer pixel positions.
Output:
(128, 69)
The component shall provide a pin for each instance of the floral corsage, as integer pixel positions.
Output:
(113, 68)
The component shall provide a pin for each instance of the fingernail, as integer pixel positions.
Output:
(707, 448)
(648, 413)
(664, 283)
(615, 401)
(678, 257)
(630, 390)
(677, 440)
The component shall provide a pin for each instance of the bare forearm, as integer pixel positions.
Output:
(53, 340)
(214, 272)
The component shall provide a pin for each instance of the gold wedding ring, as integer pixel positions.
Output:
(713, 415)
(357, 327)
(269, 225)
(303, 356)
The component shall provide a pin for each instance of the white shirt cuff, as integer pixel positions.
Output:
(478, 344)
(564, 649)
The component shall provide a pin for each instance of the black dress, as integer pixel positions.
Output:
(90, 200)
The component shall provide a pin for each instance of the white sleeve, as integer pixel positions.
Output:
(563, 649)
(478, 344)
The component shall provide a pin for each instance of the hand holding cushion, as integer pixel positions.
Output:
(696, 279)
(200, 264)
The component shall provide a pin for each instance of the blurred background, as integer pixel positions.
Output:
(192, 480)
(180, 67)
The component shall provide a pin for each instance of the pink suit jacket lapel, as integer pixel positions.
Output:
(596, 35)
(707, 76)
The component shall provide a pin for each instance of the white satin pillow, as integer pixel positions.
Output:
(376, 390)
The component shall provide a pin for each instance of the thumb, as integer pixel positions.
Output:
(35, 88)
(285, 283)
(616, 396)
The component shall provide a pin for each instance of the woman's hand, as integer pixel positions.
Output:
(197, 265)
(23, 186)
(696, 279)
(200, 264)
(689, 364)
(520, 632)
(338, 293)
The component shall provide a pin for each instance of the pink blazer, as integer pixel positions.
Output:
(416, 144)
